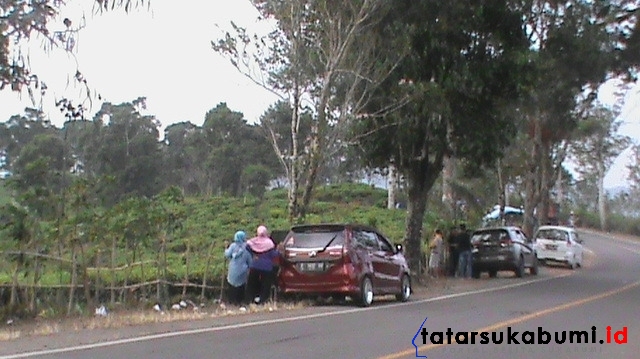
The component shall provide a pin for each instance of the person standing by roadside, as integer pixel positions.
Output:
(464, 248)
(572, 219)
(261, 276)
(435, 253)
(239, 262)
(454, 254)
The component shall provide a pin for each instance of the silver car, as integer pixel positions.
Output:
(502, 248)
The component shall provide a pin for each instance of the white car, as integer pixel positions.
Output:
(558, 244)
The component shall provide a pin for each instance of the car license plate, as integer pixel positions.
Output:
(311, 266)
(500, 258)
(551, 247)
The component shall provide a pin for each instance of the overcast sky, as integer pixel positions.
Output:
(165, 55)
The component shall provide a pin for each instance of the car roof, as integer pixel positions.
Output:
(562, 228)
(495, 228)
(336, 226)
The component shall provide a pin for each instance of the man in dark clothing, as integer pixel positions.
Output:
(464, 250)
(452, 241)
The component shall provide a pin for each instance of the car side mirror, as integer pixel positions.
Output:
(399, 247)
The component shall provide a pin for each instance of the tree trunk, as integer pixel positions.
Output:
(544, 193)
(416, 208)
(559, 187)
(98, 265)
(532, 180)
(418, 187)
(14, 283)
(294, 160)
(448, 176)
(74, 275)
(185, 281)
(502, 200)
(127, 273)
(530, 203)
(33, 302)
(448, 195)
(61, 269)
(143, 279)
(312, 175)
(602, 197)
(161, 289)
(392, 186)
(318, 133)
(112, 290)
(85, 278)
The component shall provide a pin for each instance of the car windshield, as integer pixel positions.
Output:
(494, 235)
(314, 238)
(552, 234)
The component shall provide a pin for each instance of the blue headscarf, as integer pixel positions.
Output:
(240, 260)
(239, 237)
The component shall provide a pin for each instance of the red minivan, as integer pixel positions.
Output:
(339, 260)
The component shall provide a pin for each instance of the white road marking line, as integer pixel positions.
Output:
(269, 321)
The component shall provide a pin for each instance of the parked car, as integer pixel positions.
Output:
(502, 248)
(339, 260)
(559, 244)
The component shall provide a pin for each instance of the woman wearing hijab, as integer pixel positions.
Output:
(261, 276)
(240, 260)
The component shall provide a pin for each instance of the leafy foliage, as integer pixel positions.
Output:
(452, 84)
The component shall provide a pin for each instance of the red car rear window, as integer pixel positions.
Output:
(310, 238)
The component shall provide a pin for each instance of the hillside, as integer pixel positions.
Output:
(166, 247)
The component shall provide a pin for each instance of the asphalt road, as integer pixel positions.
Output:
(604, 293)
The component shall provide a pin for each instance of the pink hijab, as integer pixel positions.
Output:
(262, 242)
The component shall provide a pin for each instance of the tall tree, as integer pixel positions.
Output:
(313, 58)
(462, 64)
(18, 131)
(597, 146)
(126, 156)
(224, 131)
(184, 158)
(39, 174)
(575, 46)
(233, 145)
